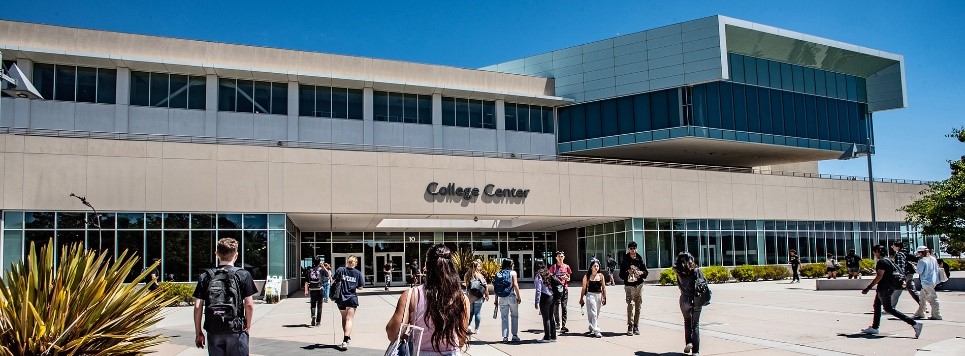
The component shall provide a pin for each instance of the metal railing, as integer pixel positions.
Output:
(427, 151)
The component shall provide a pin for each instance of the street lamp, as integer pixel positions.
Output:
(93, 221)
(854, 152)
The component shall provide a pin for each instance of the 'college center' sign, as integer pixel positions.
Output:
(468, 193)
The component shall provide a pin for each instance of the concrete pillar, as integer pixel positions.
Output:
(501, 126)
(293, 111)
(437, 121)
(122, 96)
(21, 105)
(211, 106)
(368, 116)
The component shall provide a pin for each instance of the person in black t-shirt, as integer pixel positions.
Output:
(220, 342)
(852, 262)
(795, 265)
(153, 277)
(886, 281)
(348, 299)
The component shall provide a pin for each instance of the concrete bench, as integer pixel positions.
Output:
(954, 283)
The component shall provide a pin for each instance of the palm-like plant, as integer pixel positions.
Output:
(77, 304)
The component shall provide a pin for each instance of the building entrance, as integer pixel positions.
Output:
(338, 260)
(398, 268)
(523, 260)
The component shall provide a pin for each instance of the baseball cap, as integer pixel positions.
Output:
(922, 248)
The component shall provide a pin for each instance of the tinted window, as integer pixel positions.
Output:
(226, 95)
(179, 91)
(44, 80)
(790, 126)
(713, 105)
(787, 81)
(339, 103)
(86, 84)
(475, 113)
(410, 110)
(777, 116)
(753, 114)
(279, 98)
(106, 86)
(820, 85)
(750, 70)
(764, 110)
(737, 68)
(140, 88)
(197, 93)
(396, 107)
(547, 120)
(658, 110)
(535, 119)
(578, 122)
(323, 102)
(641, 112)
(449, 112)
(64, 84)
(564, 133)
(353, 98)
(740, 107)
(609, 117)
(726, 106)
(462, 113)
(625, 114)
(594, 126)
(306, 101)
(425, 111)
(489, 114)
(159, 90)
(262, 97)
(774, 74)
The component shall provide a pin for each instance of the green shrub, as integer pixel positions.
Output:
(866, 263)
(773, 273)
(177, 292)
(953, 265)
(668, 277)
(744, 273)
(813, 270)
(716, 274)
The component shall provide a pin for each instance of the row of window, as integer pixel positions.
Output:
(72, 83)
(168, 90)
(250, 96)
(628, 114)
(398, 107)
(739, 107)
(336, 103)
(530, 118)
(777, 75)
(468, 113)
(78, 220)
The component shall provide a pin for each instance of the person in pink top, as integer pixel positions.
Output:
(445, 324)
(563, 272)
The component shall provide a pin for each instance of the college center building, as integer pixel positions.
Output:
(702, 136)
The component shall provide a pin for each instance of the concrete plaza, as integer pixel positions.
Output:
(760, 318)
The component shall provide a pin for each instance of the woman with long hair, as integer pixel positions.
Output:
(347, 300)
(445, 323)
(687, 275)
(477, 292)
(545, 300)
(594, 289)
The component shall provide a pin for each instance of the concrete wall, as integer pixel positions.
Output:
(39, 173)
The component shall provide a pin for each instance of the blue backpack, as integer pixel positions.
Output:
(503, 283)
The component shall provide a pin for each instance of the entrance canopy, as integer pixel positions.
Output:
(388, 222)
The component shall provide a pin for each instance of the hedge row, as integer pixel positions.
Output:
(714, 274)
(748, 273)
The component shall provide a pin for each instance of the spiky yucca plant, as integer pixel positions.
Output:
(462, 259)
(77, 304)
(490, 267)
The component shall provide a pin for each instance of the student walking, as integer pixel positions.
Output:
(690, 303)
(478, 293)
(832, 266)
(348, 299)
(906, 264)
(154, 277)
(853, 262)
(633, 271)
(218, 299)
(387, 269)
(593, 296)
(414, 271)
(545, 301)
(438, 306)
(795, 265)
(611, 265)
(930, 275)
(313, 289)
(506, 289)
(563, 272)
(326, 281)
(888, 279)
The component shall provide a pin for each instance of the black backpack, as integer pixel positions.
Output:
(895, 278)
(314, 278)
(556, 285)
(702, 291)
(223, 309)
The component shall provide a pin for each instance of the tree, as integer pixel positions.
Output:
(941, 208)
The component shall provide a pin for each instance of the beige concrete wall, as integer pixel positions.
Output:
(40, 173)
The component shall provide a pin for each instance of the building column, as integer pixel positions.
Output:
(122, 97)
(437, 121)
(293, 111)
(368, 116)
(501, 126)
(211, 106)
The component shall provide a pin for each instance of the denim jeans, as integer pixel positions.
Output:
(509, 309)
(474, 309)
(546, 306)
(691, 314)
(315, 304)
(883, 299)
(228, 344)
(325, 290)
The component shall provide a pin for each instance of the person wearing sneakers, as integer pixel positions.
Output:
(506, 290)
(691, 303)
(593, 296)
(930, 277)
(888, 278)
(633, 271)
(348, 299)
(545, 300)
(313, 289)
(563, 272)
(478, 293)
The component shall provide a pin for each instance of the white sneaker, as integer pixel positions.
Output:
(688, 348)
(345, 344)
(918, 327)
(598, 335)
(870, 331)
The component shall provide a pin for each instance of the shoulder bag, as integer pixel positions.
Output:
(402, 346)
(335, 290)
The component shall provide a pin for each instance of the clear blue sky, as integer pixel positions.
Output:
(472, 34)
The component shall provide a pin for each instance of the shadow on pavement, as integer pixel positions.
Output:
(861, 336)
(321, 347)
(296, 326)
(645, 353)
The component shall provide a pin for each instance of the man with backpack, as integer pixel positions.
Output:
(561, 272)
(506, 289)
(633, 271)
(888, 278)
(611, 265)
(315, 278)
(223, 300)
(906, 264)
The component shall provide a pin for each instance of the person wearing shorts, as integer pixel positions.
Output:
(347, 300)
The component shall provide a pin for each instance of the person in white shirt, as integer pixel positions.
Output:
(929, 273)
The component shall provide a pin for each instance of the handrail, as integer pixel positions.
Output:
(419, 150)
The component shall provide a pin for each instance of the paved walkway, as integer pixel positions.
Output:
(762, 318)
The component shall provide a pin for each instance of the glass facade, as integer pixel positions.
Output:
(168, 90)
(398, 107)
(792, 77)
(335, 103)
(468, 113)
(628, 115)
(739, 242)
(250, 96)
(71, 83)
(529, 118)
(184, 242)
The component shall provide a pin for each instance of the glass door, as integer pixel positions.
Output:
(397, 259)
(338, 260)
(523, 260)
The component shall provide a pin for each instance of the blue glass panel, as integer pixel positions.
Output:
(626, 139)
(564, 147)
(726, 106)
(641, 112)
(522, 117)
(775, 74)
(462, 112)
(449, 112)
(594, 143)
(644, 136)
(661, 134)
(699, 105)
(658, 110)
(611, 125)
(809, 80)
(673, 107)
(800, 115)
(763, 70)
(798, 78)
(593, 124)
(753, 113)
(820, 83)
(730, 135)
(834, 127)
(787, 83)
(790, 127)
(564, 121)
(852, 88)
(340, 103)
(548, 126)
(535, 119)
(578, 122)
(715, 133)
(611, 141)
(578, 145)
(777, 115)
(844, 122)
(742, 136)
(764, 106)
(859, 110)
(425, 111)
(862, 89)
(740, 107)
(750, 70)
(510, 116)
(810, 107)
(323, 102)
(713, 105)
(823, 121)
(737, 68)
(625, 114)
(842, 81)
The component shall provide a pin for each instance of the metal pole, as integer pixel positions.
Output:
(871, 190)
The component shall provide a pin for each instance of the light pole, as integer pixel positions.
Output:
(855, 152)
(93, 221)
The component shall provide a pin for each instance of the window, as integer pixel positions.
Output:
(625, 114)
(6, 69)
(70, 83)
(776, 75)
(409, 108)
(240, 95)
(167, 90)
(469, 112)
(335, 103)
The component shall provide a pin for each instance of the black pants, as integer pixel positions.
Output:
(315, 301)
(546, 307)
(691, 322)
(228, 344)
(559, 308)
(796, 276)
(883, 300)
